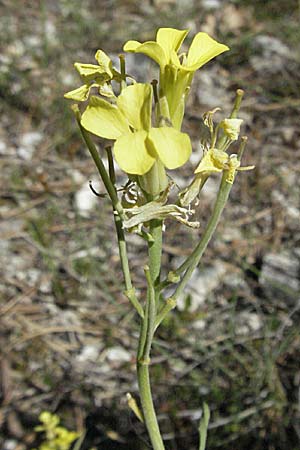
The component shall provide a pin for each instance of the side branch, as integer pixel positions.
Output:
(118, 213)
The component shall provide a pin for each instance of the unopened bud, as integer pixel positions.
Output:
(231, 128)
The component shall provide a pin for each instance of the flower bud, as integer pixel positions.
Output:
(231, 128)
(155, 180)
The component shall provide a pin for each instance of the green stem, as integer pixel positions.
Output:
(146, 336)
(123, 84)
(147, 405)
(170, 303)
(155, 250)
(193, 260)
(150, 316)
(118, 212)
(129, 289)
(111, 168)
(99, 164)
(197, 253)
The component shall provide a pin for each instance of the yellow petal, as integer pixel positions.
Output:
(131, 46)
(173, 147)
(170, 40)
(219, 158)
(177, 115)
(91, 72)
(132, 153)
(104, 119)
(106, 90)
(104, 62)
(150, 48)
(80, 94)
(135, 102)
(212, 161)
(203, 49)
(174, 59)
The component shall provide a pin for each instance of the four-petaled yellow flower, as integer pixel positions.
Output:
(138, 145)
(177, 70)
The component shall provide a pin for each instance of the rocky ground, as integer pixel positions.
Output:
(68, 336)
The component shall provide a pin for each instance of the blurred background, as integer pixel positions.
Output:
(68, 336)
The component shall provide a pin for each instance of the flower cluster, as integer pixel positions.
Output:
(144, 122)
(146, 144)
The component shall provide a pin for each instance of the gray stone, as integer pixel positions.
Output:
(271, 49)
(89, 353)
(28, 143)
(211, 4)
(85, 200)
(201, 285)
(118, 354)
(212, 87)
(280, 276)
(248, 322)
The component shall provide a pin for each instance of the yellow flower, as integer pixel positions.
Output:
(137, 145)
(176, 71)
(213, 161)
(94, 76)
(231, 128)
(216, 161)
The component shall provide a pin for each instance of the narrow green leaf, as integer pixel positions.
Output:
(204, 426)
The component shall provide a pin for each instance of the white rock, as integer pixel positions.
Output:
(68, 79)
(270, 44)
(212, 88)
(28, 142)
(88, 353)
(199, 324)
(45, 285)
(291, 209)
(211, 4)
(10, 444)
(93, 251)
(235, 280)
(31, 139)
(280, 276)
(202, 283)
(2, 147)
(118, 354)
(248, 322)
(25, 153)
(254, 321)
(33, 41)
(50, 30)
(77, 176)
(85, 200)
(272, 49)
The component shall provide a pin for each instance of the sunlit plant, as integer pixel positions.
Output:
(56, 437)
(142, 123)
